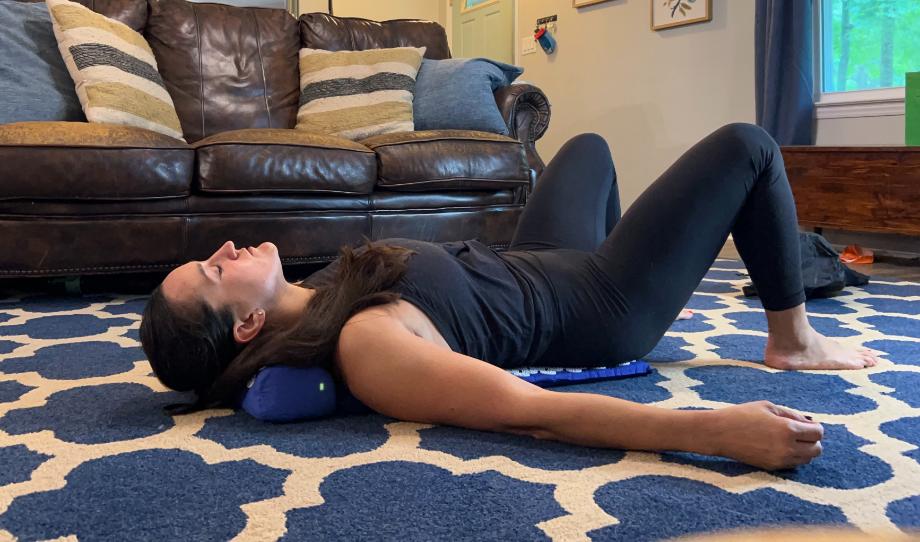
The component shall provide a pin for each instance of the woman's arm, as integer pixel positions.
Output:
(404, 376)
(759, 433)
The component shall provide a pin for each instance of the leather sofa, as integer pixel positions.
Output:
(88, 199)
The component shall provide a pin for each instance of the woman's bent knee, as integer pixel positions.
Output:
(751, 137)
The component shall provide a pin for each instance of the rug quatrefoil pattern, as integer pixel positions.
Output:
(88, 454)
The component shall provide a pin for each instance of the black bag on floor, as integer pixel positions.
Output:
(822, 271)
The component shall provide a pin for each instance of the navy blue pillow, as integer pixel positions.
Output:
(34, 82)
(456, 94)
(281, 393)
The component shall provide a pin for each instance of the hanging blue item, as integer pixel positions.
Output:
(546, 39)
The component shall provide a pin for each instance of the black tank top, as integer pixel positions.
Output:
(486, 304)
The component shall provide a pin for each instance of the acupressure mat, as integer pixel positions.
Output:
(87, 453)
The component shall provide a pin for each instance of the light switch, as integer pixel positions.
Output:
(528, 45)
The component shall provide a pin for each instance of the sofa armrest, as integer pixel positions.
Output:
(526, 111)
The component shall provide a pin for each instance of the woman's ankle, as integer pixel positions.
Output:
(789, 329)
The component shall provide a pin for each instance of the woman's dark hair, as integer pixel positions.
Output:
(193, 349)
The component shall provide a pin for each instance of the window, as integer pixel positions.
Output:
(868, 44)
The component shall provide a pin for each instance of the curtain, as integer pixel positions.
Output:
(784, 63)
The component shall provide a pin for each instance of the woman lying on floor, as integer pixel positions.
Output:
(422, 331)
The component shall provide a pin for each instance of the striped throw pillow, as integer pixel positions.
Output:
(357, 94)
(113, 69)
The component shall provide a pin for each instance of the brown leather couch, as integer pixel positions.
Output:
(85, 199)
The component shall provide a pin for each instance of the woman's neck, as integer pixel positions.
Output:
(292, 303)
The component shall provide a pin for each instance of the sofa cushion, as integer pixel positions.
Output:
(79, 160)
(275, 160)
(114, 70)
(226, 67)
(323, 31)
(357, 94)
(448, 159)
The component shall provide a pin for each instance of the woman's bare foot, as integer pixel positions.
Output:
(815, 351)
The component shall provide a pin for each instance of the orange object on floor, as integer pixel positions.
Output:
(857, 254)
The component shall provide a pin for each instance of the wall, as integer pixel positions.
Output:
(312, 6)
(377, 10)
(650, 94)
(887, 130)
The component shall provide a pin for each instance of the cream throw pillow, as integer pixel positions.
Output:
(357, 94)
(113, 69)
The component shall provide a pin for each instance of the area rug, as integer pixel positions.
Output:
(87, 453)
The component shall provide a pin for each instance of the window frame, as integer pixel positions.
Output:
(880, 102)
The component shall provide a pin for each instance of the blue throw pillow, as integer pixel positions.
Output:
(456, 94)
(281, 393)
(34, 82)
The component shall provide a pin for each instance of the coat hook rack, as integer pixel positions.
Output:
(543, 33)
(547, 22)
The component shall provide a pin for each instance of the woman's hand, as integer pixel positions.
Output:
(766, 435)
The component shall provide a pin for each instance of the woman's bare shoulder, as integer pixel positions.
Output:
(364, 328)
(405, 315)
(396, 310)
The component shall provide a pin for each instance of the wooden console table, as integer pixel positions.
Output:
(871, 189)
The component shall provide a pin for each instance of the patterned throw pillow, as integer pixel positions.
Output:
(113, 69)
(357, 94)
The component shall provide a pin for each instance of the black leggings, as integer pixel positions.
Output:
(631, 276)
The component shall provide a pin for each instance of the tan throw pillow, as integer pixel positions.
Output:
(357, 94)
(113, 69)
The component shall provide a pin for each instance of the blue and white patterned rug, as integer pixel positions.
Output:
(86, 451)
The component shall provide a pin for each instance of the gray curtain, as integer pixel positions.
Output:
(784, 61)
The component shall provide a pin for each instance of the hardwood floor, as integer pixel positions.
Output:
(896, 269)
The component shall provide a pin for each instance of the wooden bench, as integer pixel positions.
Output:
(870, 189)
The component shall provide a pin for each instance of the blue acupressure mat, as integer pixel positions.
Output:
(87, 453)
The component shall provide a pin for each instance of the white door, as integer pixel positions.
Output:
(483, 28)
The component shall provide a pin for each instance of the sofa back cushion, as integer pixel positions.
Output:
(226, 67)
(131, 12)
(323, 31)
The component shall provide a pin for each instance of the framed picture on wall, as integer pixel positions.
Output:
(671, 13)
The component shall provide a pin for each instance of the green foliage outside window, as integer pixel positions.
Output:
(868, 44)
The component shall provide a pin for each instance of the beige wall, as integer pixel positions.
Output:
(861, 131)
(650, 94)
(312, 6)
(380, 10)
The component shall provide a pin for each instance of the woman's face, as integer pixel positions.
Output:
(243, 280)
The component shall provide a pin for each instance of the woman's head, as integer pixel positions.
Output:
(248, 282)
(212, 324)
(204, 312)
